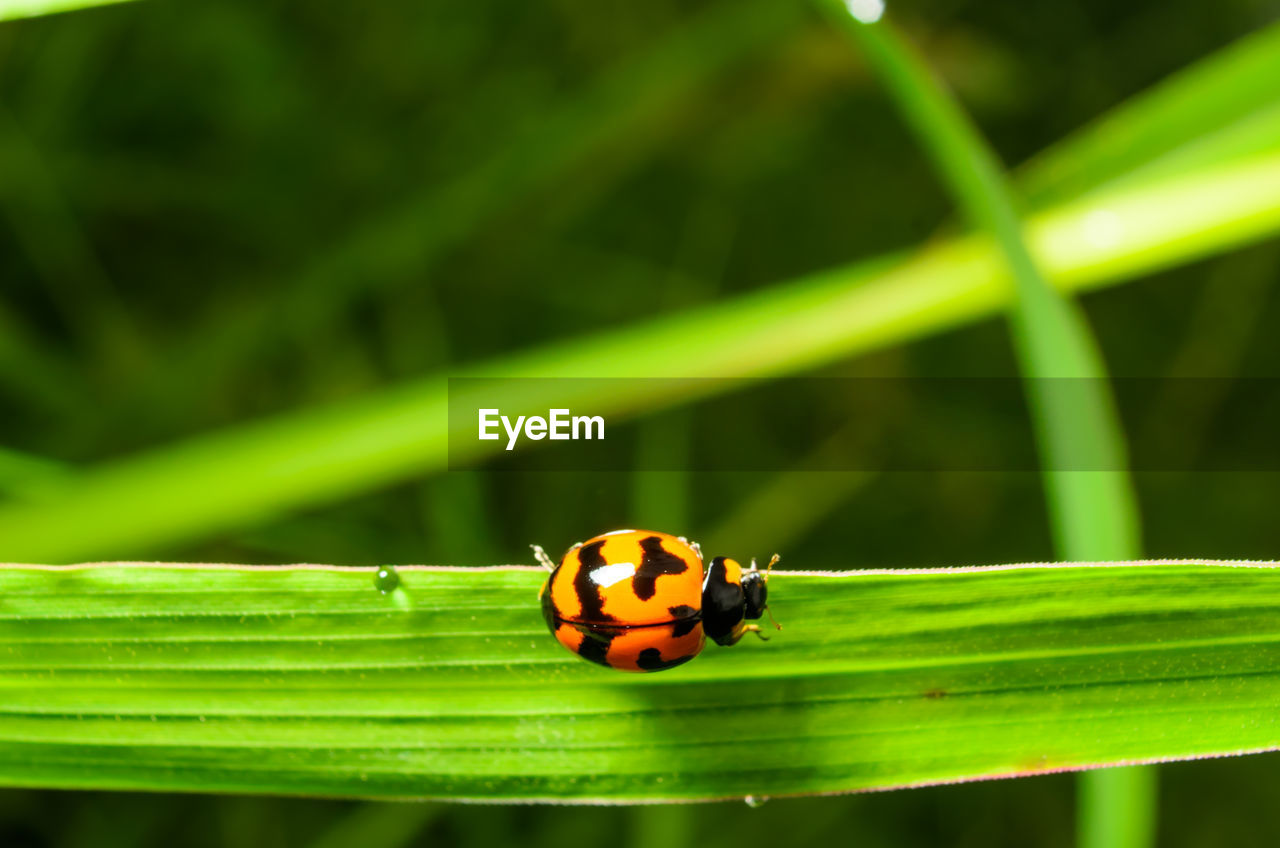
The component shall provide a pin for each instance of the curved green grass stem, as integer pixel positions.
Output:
(1094, 514)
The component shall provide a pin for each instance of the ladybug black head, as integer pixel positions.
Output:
(732, 595)
(756, 589)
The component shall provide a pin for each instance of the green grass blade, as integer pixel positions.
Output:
(1094, 514)
(24, 475)
(253, 473)
(308, 681)
(1230, 87)
(1252, 134)
(1116, 808)
(13, 9)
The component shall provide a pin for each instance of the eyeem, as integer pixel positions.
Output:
(559, 426)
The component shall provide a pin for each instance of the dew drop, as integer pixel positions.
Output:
(386, 580)
(866, 11)
(754, 801)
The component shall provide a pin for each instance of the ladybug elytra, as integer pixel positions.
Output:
(639, 600)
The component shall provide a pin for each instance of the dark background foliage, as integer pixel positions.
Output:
(214, 212)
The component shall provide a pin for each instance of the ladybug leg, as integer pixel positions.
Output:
(543, 559)
(755, 628)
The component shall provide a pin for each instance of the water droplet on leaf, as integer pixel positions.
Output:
(755, 801)
(386, 580)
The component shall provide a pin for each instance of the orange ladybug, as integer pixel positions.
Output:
(639, 600)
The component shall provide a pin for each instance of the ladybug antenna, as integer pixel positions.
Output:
(542, 558)
(773, 560)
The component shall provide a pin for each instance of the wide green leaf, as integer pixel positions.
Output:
(307, 679)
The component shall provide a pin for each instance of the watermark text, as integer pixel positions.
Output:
(559, 425)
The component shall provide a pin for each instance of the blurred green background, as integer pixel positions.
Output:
(215, 212)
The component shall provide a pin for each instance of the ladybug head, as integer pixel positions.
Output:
(755, 588)
(731, 595)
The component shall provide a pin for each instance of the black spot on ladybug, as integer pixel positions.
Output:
(682, 611)
(650, 659)
(684, 627)
(589, 559)
(656, 562)
(595, 645)
(595, 648)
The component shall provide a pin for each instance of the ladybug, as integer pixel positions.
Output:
(638, 600)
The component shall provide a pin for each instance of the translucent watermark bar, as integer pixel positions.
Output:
(880, 424)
